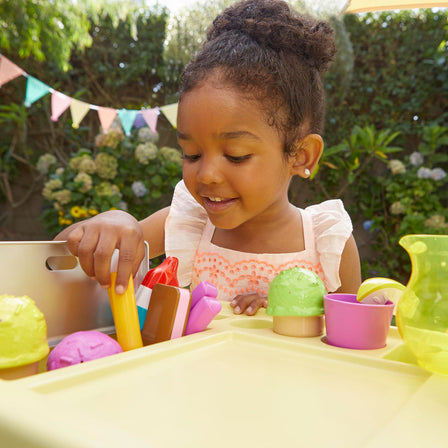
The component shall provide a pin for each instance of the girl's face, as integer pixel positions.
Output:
(233, 161)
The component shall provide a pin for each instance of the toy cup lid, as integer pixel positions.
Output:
(296, 292)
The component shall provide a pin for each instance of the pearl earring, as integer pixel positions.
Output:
(307, 172)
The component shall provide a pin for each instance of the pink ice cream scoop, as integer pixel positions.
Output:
(82, 346)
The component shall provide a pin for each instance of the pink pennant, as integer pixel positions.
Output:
(106, 116)
(8, 70)
(59, 102)
(151, 116)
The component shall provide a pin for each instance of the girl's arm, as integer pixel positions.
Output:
(94, 240)
(350, 268)
(154, 232)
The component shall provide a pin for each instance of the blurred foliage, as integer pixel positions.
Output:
(414, 201)
(186, 31)
(386, 100)
(123, 69)
(391, 192)
(52, 30)
(400, 75)
(350, 162)
(120, 172)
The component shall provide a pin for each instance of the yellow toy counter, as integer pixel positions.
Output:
(236, 384)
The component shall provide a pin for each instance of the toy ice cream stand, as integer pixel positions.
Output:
(238, 382)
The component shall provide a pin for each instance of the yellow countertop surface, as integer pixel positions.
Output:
(236, 384)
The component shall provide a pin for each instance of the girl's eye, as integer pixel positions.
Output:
(191, 158)
(238, 159)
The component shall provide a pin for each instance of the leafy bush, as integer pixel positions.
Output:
(415, 201)
(400, 74)
(127, 173)
(391, 196)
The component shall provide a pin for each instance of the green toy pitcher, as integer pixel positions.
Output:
(422, 311)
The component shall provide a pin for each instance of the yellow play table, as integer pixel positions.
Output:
(238, 384)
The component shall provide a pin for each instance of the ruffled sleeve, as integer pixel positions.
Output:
(332, 227)
(183, 230)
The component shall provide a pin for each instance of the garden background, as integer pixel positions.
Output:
(386, 131)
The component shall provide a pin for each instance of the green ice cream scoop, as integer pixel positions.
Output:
(296, 292)
(23, 332)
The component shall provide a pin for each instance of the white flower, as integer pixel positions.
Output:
(145, 134)
(50, 186)
(139, 189)
(44, 163)
(436, 221)
(122, 205)
(438, 174)
(397, 208)
(424, 173)
(85, 182)
(396, 166)
(146, 152)
(416, 158)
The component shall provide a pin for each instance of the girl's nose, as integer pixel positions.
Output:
(209, 171)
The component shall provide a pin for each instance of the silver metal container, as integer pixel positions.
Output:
(49, 274)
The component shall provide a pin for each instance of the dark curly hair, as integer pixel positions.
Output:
(271, 54)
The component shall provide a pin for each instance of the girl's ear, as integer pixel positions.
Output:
(308, 153)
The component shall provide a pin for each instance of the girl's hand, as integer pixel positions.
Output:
(94, 240)
(249, 304)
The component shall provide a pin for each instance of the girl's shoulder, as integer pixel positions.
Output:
(184, 227)
(328, 214)
(184, 204)
(330, 227)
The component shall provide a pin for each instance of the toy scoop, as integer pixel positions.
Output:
(295, 300)
(80, 347)
(23, 336)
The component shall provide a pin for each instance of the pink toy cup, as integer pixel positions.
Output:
(351, 324)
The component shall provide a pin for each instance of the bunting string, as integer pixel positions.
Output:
(36, 89)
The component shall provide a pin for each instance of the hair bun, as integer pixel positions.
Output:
(272, 23)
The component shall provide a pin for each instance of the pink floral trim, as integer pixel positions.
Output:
(242, 277)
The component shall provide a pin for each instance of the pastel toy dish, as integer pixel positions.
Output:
(204, 307)
(166, 274)
(295, 300)
(356, 325)
(167, 315)
(23, 337)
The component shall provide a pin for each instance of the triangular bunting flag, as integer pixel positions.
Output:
(127, 118)
(106, 116)
(151, 116)
(79, 110)
(8, 70)
(35, 90)
(170, 112)
(139, 121)
(59, 102)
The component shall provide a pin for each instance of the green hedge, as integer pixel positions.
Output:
(387, 98)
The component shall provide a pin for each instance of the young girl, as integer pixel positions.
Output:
(250, 116)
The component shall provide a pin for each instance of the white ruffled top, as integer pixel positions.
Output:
(188, 234)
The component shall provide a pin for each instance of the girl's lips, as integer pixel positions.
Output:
(217, 206)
